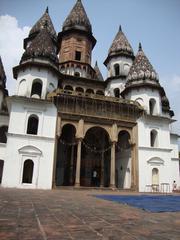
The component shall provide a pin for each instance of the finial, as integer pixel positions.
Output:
(140, 47)
(47, 10)
(120, 29)
(96, 64)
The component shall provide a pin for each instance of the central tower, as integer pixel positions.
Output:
(75, 44)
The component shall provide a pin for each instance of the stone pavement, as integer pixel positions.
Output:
(74, 214)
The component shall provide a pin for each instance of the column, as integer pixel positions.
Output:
(78, 164)
(72, 165)
(112, 174)
(102, 170)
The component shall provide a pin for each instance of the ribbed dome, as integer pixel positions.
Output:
(77, 19)
(41, 46)
(120, 45)
(2, 75)
(45, 20)
(142, 69)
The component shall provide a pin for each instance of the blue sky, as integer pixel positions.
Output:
(153, 22)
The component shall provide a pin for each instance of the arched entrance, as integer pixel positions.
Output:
(95, 158)
(28, 171)
(123, 160)
(66, 157)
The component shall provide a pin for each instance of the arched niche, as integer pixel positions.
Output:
(36, 90)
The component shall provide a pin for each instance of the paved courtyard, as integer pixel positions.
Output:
(76, 214)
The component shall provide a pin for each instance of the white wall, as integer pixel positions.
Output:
(143, 96)
(21, 146)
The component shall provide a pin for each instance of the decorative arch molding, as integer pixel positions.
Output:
(88, 127)
(155, 161)
(75, 125)
(30, 150)
(124, 130)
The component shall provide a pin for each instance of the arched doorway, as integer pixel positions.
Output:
(123, 161)
(66, 157)
(28, 171)
(1, 169)
(95, 158)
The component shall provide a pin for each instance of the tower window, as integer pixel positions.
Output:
(77, 74)
(78, 56)
(117, 69)
(36, 88)
(153, 138)
(32, 127)
(3, 132)
(117, 92)
(152, 106)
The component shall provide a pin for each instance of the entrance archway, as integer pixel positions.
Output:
(95, 158)
(123, 160)
(66, 157)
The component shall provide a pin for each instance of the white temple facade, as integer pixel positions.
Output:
(67, 126)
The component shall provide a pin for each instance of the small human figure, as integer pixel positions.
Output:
(94, 175)
(174, 185)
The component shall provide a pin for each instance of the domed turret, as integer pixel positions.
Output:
(142, 70)
(77, 19)
(43, 22)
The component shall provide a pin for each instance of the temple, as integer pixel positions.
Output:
(68, 126)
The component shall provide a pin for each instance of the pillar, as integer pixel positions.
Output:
(78, 164)
(112, 173)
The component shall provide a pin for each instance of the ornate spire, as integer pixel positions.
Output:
(140, 47)
(39, 25)
(77, 19)
(98, 72)
(120, 46)
(42, 46)
(142, 69)
(2, 75)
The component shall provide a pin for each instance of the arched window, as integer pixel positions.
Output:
(154, 138)
(32, 126)
(116, 69)
(28, 171)
(79, 89)
(22, 88)
(68, 87)
(77, 74)
(1, 169)
(36, 88)
(99, 92)
(90, 91)
(117, 92)
(3, 132)
(152, 106)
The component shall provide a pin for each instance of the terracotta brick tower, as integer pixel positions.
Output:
(75, 44)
